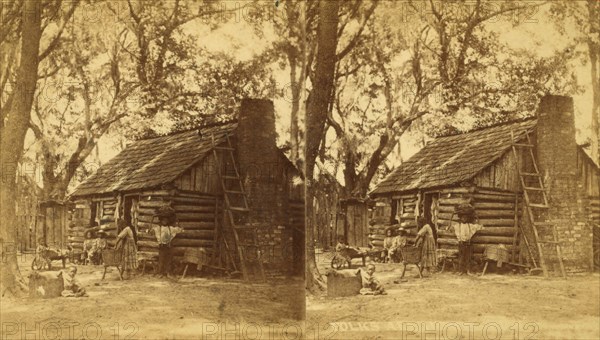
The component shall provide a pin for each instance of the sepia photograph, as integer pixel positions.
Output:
(299, 169)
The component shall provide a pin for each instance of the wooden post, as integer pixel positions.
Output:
(417, 212)
(516, 225)
(215, 238)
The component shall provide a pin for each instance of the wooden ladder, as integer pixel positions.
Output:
(536, 206)
(248, 249)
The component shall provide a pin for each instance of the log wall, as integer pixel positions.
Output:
(495, 209)
(402, 209)
(195, 213)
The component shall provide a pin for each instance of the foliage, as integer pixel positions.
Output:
(443, 70)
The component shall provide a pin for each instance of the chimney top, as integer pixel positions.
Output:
(555, 105)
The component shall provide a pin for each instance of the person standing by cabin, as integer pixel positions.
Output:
(464, 231)
(165, 232)
(425, 237)
(126, 244)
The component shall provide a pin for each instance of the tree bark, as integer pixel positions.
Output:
(12, 138)
(594, 53)
(294, 141)
(316, 116)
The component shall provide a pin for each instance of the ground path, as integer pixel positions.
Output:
(446, 305)
(147, 307)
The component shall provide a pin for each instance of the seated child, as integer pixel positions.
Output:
(402, 238)
(341, 248)
(93, 245)
(72, 287)
(341, 245)
(389, 247)
(370, 285)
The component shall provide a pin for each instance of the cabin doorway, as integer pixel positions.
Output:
(430, 206)
(129, 213)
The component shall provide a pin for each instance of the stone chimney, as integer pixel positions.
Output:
(263, 172)
(257, 148)
(557, 158)
(557, 154)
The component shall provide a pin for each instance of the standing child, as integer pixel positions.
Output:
(464, 230)
(165, 232)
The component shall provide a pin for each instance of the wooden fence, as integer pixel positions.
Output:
(45, 220)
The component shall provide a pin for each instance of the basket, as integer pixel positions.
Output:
(197, 256)
(111, 257)
(411, 254)
(497, 253)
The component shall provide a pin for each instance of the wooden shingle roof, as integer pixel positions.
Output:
(152, 162)
(453, 159)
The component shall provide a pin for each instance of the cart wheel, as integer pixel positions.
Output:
(337, 262)
(37, 264)
(441, 265)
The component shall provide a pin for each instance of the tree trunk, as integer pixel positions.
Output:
(12, 138)
(594, 53)
(294, 141)
(316, 115)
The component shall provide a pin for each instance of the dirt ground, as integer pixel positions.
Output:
(447, 306)
(148, 307)
(441, 306)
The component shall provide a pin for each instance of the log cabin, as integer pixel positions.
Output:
(190, 171)
(489, 167)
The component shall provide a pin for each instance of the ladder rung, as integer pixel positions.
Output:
(535, 205)
(534, 188)
(531, 174)
(523, 145)
(238, 209)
